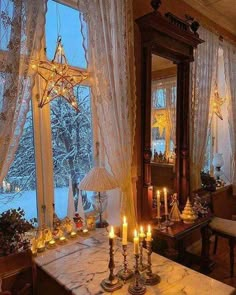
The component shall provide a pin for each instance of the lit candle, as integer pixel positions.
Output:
(124, 232)
(136, 242)
(73, 234)
(111, 233)
(149, 234)
(52, 242)
(165, 201)
(85, 231)
(158, 204)
(141, 234)
(62, 239)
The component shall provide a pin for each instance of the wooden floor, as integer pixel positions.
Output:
(221, 270)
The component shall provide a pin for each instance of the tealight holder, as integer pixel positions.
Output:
(137, 287)
(142, 266)
(112, 283)
(150, 278)
(125, 273)
(62, 240)
(51, 244)
(72, 234)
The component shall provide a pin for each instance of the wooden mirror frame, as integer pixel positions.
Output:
(171, 38)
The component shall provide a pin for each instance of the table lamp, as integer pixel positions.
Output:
(98, 180)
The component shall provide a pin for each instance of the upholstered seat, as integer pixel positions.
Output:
(227, 229)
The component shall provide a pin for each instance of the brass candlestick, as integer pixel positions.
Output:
(160, 225)
(125, 273)
(167, 222)
(112, 283)
(137, 287)
(142, 266)
(150, 278)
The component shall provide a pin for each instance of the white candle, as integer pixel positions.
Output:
(149, 234)
(136, 242)
(158, 204)
(124, 232)
(111, 233)
(141, 234)
(165, 201)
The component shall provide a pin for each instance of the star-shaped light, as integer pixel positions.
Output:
(160, 121)
(60, 79)
(217, 103)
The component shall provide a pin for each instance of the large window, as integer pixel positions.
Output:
(56, 144)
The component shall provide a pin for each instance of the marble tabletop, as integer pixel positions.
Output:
(82, 263)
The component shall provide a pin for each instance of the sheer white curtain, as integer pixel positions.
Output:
(21, 30)
(111, 64)
(229, 52)
(203, 85)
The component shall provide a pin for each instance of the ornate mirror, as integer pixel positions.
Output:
(167, 45)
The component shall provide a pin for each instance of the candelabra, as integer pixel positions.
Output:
(125, 273)
(112, 283)
(142, 266)
(137, 287)
(150, 278)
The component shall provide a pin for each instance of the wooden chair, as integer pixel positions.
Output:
(227, 229)
(18, 274)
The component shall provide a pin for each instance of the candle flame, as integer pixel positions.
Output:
(112, 231)
(165, 190)
(158, 193)
(124, 219)
(135, 233)
(141, 229)
(149, 228)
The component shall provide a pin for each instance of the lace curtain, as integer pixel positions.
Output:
(229, 52)
(21, 30)
(111, 64)
(203, 72)
(168, 86)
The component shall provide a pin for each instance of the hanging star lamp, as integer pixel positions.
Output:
(60, 79)
(217, 103)
(160, 121)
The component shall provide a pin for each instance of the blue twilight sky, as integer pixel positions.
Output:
(64, 21)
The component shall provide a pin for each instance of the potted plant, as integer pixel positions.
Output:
(13, 227)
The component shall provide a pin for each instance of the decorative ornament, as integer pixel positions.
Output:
(217, 103)
(60, 79)
(174, 212)
(188, 215)
(160, 121)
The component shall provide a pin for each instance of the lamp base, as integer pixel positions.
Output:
(102, 224)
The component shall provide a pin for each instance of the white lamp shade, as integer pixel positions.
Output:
(218, 160)
(98, 180)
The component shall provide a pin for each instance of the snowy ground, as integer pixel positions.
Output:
(27, 201)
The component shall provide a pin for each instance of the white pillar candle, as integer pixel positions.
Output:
(158, 204)
(124, 232)
(111, 233)
(149, 234)
(136, 242)
(141, 234)
(165, 201)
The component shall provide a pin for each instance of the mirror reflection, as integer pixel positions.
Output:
(163, 121)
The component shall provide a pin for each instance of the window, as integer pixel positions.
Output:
(219, 138)
(19, 187)
(57, 141)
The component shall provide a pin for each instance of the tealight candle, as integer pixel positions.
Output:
(136, 242)
(52, 242)
(85, 231)
(62, 239)
(158, 204)
(165, 201)
(141, 234)
(124, 232)
(149, 234)
(73, 234)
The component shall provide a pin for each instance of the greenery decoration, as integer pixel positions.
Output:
(13, 227)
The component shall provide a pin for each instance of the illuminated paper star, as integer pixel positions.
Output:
(60, 79)
(217, 103)
(160, 121)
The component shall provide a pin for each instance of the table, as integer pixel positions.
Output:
(80, 266)
(177, 232)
